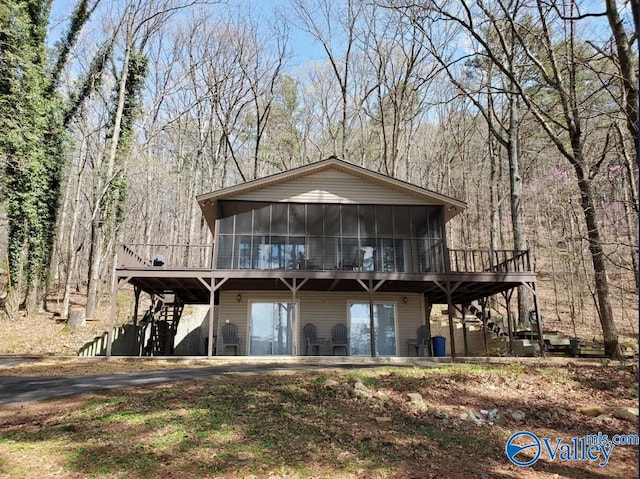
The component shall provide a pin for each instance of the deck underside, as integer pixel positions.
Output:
(193, 286)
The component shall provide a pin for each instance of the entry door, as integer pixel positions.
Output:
(384, 321)
(270, 329)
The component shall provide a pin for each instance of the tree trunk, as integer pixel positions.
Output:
(72, 253)
(515, 184)
(605, 311)
(95, 255)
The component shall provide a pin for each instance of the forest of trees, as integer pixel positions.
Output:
(115, 115)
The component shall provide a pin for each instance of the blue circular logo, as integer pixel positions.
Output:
(520, 442)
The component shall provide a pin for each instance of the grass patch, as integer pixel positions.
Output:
(288, 425)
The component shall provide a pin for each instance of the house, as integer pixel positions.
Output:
(327, 243)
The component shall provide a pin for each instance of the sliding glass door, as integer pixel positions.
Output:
(270, 329)
(384, 320)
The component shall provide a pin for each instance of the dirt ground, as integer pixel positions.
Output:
(296, 424)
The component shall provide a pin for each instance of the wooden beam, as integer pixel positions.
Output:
(372, 330)
(334, 284)
(117, 283)
(428, 306)
(215, 286)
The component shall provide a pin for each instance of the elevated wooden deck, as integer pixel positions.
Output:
(187, 272)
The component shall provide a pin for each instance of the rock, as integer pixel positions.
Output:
(492, 415)
(345, 389)
(245, 455)
(360, 394)
(441, 414)
(381, 396)
(629, 414)
(330, 384)
(382, 419)
(471, 416)
(361, 387)
(518, 415)
(416, 402)
(591, 411)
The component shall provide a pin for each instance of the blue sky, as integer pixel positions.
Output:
(304, 49)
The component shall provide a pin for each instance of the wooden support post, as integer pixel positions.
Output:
(450, 309)
(212, 306)
(507, 298)
(483, 303)
(136, 306)
(427, 307)
(374, 353)
(113, 312)
(212, 287)
(371, 288)
(294, 319)
(294, 287)
(449, 290)
(464, 329)
(538, 319)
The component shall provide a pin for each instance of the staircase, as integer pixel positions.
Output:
(164, 325)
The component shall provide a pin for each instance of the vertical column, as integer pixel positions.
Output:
(464, 329)
(371, 320)
(212, 294)
(538, 319)
(294, 319)
(450, 308)
(427, 307)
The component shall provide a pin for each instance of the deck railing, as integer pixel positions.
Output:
(200, 257)
(489, 261)
(174, 256)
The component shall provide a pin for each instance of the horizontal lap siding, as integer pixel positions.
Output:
(324, 310)
(331, 187)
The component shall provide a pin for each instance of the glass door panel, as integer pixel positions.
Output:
(384, 328)
(270, 329)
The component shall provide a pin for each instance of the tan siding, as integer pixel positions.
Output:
(324, 310)
(331, 187)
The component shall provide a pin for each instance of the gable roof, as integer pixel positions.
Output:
(208, 201)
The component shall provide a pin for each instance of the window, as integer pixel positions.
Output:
(367, 220)
(261, 258)
(384, 321)
(314, 220)
(349, 220)
(297, 219)
(332, 220)
(261, 220)
(243, 252)
(262, 235)
(279, 219)
(270, 328)
(225, 250)
(384, 220)
(401, 222)
(278, 252)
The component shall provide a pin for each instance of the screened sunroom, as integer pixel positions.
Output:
(304, 236)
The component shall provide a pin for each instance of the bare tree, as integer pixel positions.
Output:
(321, 19)
(560, 103)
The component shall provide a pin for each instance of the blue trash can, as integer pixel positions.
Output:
(439, 346)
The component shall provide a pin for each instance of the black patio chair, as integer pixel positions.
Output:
(422, 343)
(310, 336)
(230, 338)
(339, 338)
